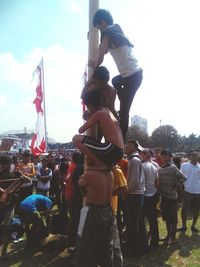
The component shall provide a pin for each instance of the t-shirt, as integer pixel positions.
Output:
(28, 169)
(35, 203)
(192, 173)
(119, 181)
(169, 179)
(44, 172)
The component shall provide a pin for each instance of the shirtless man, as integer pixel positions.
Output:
(98, 153)
(99, 81)
(94, 242)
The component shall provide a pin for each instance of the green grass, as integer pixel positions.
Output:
(53, 252)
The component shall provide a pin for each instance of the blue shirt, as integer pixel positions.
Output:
(34, 202)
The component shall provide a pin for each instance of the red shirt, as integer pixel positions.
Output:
(69, 188)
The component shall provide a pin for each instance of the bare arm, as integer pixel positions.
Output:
(87, 87)
(103, 49)
(91, 121)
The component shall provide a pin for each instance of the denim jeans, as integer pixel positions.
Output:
(136, 232)
(126, 90)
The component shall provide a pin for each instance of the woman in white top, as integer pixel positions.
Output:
(128, 81)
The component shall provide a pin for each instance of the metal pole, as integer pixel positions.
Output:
(93, 35)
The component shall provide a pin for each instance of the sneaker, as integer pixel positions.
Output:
(182, 229)
(194, 229)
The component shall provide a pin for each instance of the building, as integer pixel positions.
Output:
(139, 122)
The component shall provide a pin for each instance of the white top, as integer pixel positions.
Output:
(41, 185)
(150, 173)
(192, 173)
(126, 63)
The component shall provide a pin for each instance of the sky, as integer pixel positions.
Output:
(165, 34)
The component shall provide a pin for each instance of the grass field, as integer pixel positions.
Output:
(53, 252)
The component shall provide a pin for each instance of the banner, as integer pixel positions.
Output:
(39, 143)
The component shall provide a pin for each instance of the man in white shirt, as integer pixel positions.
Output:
(191, 194)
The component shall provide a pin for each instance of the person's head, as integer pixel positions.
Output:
(26, 157)
(193, 156)
(132, 146)
(145, 154)
(177, 161)
(102, 19)
(166, 156)
(92, 99)
(63, 167)
(51, 157)
(4, 164)
(101, 73)
(157, 152)
(44, 163)
(75, 157)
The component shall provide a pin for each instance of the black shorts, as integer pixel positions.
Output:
(94, 241)
(108, 153)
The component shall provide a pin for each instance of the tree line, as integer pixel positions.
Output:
(164, 137)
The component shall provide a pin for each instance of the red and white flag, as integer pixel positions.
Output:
(38, 143)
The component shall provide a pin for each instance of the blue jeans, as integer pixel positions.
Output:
(126, 90)
(136, 231)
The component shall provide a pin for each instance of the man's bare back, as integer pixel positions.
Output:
(97, 186)
(108, 126)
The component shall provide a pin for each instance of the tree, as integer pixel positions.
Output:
(166, 137)
(136, 133)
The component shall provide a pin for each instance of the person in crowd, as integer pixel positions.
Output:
(95, 232)
(99, 81)
(76, 200)
(28, 169)
(30, 209)
(70, 199)
(63, 175)
(119, 189)
(44, 176)
(157, 156)
(98, 153)
(136, 231)
(169, 179)
(54, 191)
(130, 75)
(191, 194)
(150, 196)
(10, 182)
(14, 164)
(121, 211)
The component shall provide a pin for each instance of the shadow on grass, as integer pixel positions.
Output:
(179, 254)
(52, 252)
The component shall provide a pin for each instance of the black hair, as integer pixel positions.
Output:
(4, 160)
(192, 150)
(93, 98)
(102, 73)
(100, 15)
(63, 166)
(166, 153)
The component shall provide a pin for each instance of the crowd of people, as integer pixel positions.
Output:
(110, 193)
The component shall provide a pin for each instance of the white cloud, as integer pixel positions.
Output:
(75, 7)
(63, 84)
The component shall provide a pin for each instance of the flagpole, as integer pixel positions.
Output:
(44, 104)
(93, 45)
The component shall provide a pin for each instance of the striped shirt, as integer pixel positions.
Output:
(169, 179)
